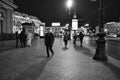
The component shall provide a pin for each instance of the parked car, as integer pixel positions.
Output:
(112, 35)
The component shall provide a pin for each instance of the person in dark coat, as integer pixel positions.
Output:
(65, 39)
(74, 37)
(23, 38)
(49, 41)
(81, 36)
(17, 38)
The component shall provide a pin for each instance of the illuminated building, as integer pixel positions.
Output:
(112, 27)
(6, 9)
(56, 29)
(19, 18)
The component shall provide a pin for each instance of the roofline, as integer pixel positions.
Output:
(9, 3)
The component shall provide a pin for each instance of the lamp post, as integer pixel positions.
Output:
(100, 50)
(69, 5)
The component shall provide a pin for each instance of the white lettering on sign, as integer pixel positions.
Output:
(56, 24)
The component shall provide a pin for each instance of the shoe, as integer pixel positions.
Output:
(52, 53)
(48, 56)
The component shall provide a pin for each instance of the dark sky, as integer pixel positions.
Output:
(55, 10)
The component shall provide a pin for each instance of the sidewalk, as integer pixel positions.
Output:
(17, 60)
(6, 42)
(74, 63)
(7, 45)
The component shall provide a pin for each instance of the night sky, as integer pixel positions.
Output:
(56, 11)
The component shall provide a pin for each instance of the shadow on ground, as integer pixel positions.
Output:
(33, 71)
(64, 48)
(83, 50)
(41, 56)
(113, 68)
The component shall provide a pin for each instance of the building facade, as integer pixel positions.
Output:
(112, 28)
(56, 30)
(20, 18)
(6, 9)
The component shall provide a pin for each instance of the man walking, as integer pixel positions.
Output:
(74, 37)
(81, 36)
(65, 39)
(49, 40)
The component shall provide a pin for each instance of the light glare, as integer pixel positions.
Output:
(69, 3)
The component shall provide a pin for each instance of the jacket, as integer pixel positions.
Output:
(49, 39)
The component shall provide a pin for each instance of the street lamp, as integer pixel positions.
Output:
(69, 5)
(100, 50)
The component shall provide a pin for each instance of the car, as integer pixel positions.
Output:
(112, 35)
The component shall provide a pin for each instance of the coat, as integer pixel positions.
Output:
(49, 39)
(81, 35)
(23, 36)
(66, 37)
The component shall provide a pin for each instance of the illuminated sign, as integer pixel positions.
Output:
(74, 24)
(41, 31)
(56, 24)
(97, 29)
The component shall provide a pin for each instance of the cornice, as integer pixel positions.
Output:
(9, 3)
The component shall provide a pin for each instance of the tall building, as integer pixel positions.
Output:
(6, 9)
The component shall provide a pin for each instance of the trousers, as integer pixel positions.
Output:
(49, 48)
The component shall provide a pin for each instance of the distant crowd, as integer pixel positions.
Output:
(25, 38)
(49, 40)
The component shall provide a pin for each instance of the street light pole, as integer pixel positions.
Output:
(101, 20)
(100, 50)
(69, 5)
(69, 24)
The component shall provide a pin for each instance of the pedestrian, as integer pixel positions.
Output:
(23, 38)
(65, 39)
(17, 39)
(81, 36)
(49, 41)
(29, 39)
(74, 38)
